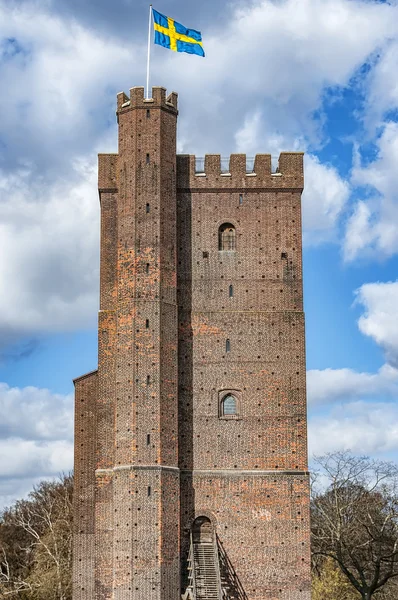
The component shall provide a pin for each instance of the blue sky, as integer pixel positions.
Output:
(311, 75)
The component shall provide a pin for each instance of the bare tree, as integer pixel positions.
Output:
(354, 511)
(36, 543)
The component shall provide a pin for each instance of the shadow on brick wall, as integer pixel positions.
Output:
(185, 375)
(230, 581)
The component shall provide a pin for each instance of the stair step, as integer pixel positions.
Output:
(204, 559)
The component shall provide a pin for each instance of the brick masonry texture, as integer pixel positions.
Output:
(182, 324)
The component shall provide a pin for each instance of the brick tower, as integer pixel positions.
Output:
(190, 439)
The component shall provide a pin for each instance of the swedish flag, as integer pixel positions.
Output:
(173, 35)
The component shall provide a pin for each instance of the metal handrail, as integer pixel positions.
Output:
(190, 592)
(191, 553)
(225, 168)
(232, 572)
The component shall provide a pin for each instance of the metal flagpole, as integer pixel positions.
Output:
(149, 52)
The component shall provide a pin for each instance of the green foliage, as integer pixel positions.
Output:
(329, 583)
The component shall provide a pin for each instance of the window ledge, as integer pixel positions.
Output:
(230, 417)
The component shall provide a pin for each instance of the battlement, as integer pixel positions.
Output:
(240, 171)
(137, 99)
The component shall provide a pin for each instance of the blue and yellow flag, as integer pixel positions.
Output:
(173, 35)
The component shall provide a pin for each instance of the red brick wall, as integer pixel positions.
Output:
(86, 393)
(165, 316)
(249, 474)
(262, 522)
(138, 549)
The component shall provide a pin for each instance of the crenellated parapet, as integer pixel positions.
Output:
(137, 99)
(289, 174)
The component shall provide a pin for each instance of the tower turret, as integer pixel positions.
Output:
(137, 475)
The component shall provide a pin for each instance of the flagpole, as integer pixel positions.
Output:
(149, 52)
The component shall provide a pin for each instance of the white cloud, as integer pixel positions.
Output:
(340, 422)
(342, 417)
(36, 414)
(382, 86)
(12, 489)
(257, 91)
(36, 438)
(270, 67)
(324, 199)
(372, 229)
(247, 136)
(362, 427)
(333, 385)
(49, 237)
(380, 320)
(59, 79)
(22, 458)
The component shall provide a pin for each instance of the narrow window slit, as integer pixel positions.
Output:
(148, 208)
(149, 490)
(148, 380)
(148, 159)
(148, 439)
(240, 199)
(147, 324)
(147, 268)
(231, 291)
(227, 346)
(148, 113)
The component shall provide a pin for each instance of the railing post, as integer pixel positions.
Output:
(193, 567)
(217, 560)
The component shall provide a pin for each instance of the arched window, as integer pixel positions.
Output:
(202, 531)
(229, 405)
(227, 237)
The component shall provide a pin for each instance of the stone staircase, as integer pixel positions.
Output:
(203, 572)
(207, 577)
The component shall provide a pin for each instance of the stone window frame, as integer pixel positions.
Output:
(225, 223)
(238, 396)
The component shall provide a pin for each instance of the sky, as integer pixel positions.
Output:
(317, 76)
